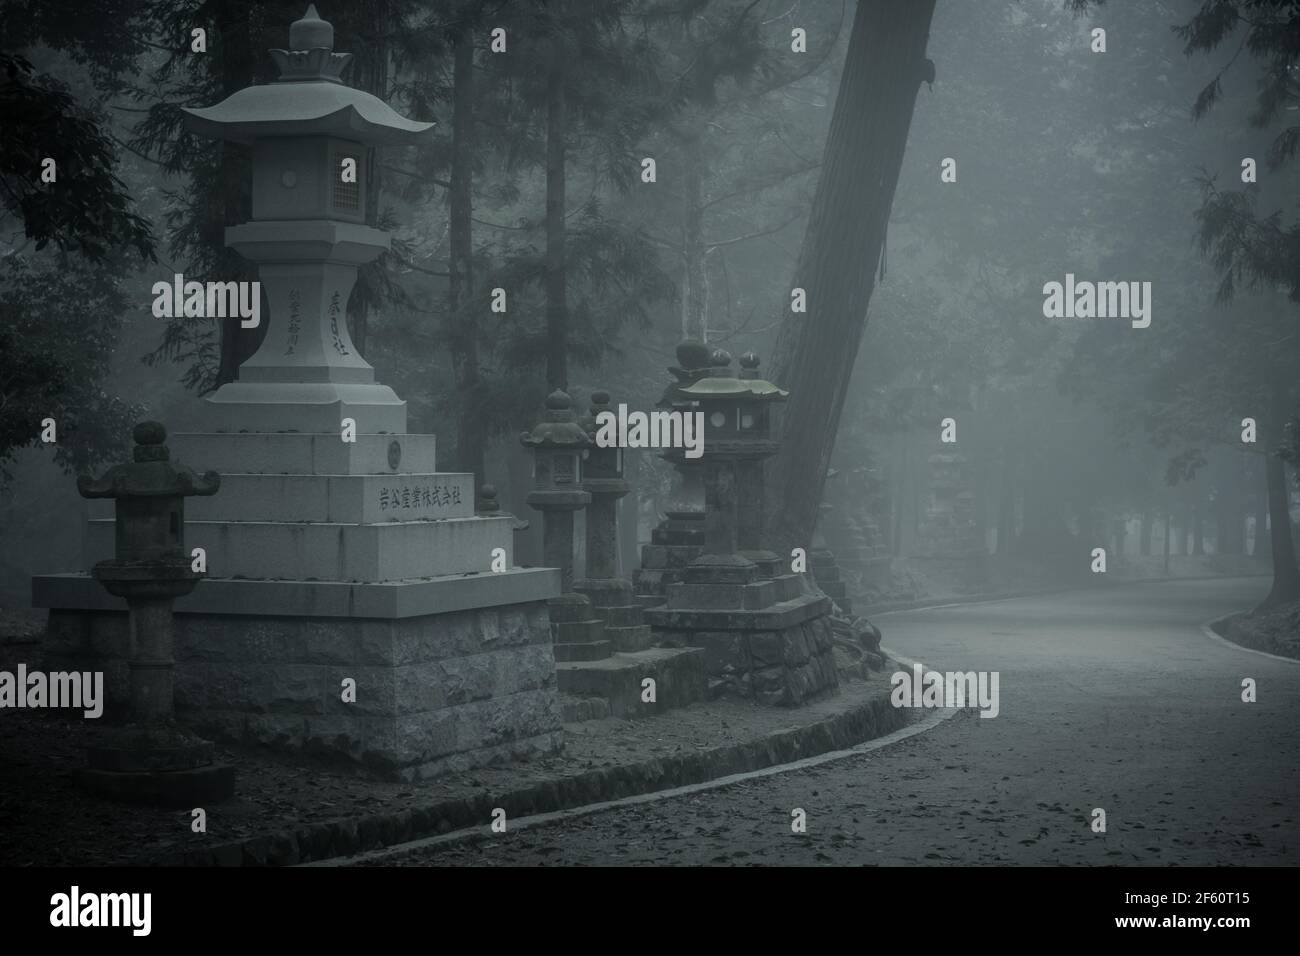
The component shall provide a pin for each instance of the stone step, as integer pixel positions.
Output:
(304, 453)
(587, 651)
(788, 587)
(574, 710)
(338, 499)
(577, 632)
(627, 615)
(328, 551)
(678, 673)
(753, 596)
(649, 600)
(636, 637)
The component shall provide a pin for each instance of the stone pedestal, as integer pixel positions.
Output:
(679, 538)
(675, 543)
(328, 560)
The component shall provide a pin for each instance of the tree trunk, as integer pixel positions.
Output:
(1144, 548)
(557, 332)
(900, 499)
(1286, 577)
(816, 351)
(1169, 532)
(694, 308)
(1262, 548)
(1007, 503)
(460, 264)
(1198, 528)
(233, 201)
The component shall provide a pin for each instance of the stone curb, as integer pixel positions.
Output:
(1218, 630)
(349, 835)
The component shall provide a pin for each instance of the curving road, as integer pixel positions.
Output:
(1112, 699)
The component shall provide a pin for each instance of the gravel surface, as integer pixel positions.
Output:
(1114, 701)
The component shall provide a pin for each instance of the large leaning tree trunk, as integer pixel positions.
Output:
(816, 350)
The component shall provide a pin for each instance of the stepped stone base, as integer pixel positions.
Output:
(678, 674)
(614, 603)
(677, 542)
(827, 575)
(438, 690)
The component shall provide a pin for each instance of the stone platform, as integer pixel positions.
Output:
(779, 653)
(328, 560)
(451, 673)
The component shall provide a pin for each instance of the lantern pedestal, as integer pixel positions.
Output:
(679, 538)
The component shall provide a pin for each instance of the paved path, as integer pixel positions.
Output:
(1111, 699)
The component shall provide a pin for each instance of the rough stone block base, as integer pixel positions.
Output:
(435, 693)
(678, 674)
(781, 655)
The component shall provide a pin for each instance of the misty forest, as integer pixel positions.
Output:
(1024, 274)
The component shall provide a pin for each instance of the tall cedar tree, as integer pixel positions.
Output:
(884, 67)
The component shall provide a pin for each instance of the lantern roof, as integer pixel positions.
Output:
(720, 383)
(693, 357)
(308, 99)
(150, 474)
(559, 429)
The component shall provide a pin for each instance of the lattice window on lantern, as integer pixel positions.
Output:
(347, 196)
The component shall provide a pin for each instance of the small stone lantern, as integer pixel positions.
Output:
(602, 477)
(152, 758)
(558, 443)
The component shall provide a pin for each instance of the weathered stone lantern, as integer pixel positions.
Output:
(609, 592)
(737, 438)
(764, 637)
(152, 758)
(680, 535)
(558, 443)
(309, 133)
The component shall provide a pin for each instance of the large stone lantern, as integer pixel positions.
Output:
(309, 133)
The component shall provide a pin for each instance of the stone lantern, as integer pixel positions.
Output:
(309, 134)
(558, 443)
(152, 758)
(680, 535)
(764, 637)
(610, 593)
(737, 438)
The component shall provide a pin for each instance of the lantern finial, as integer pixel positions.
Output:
(311, 32)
